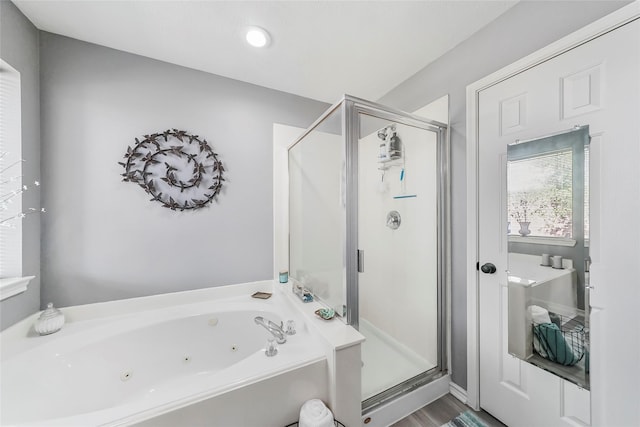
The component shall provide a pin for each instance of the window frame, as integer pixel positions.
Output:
(564, 141)
(12, 282)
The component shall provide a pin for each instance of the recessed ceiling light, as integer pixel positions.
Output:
(257, 37)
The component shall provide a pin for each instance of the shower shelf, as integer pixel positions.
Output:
(388, 164)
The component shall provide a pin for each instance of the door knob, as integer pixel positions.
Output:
(488, 268)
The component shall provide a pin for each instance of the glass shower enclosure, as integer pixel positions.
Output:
(369, 236)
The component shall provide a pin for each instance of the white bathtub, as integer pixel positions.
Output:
(127, 362)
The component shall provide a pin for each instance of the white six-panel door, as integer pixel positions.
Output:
(594, 84)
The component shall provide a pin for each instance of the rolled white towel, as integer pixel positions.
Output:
(539, 314)
(314, 413)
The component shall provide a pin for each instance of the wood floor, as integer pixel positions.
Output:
(441, 412)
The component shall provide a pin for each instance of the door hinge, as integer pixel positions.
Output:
(478, 266)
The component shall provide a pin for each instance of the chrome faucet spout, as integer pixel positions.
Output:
(273, 328)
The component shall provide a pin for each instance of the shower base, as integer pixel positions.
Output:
(386, 362)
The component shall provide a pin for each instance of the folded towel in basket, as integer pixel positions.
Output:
(554, 344)
(539, 315)
(314, 413)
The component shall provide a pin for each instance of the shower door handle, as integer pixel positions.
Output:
(360, 261)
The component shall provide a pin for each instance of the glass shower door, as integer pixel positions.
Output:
(398, 223)
(317, 211)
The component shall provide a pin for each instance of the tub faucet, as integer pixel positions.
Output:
(275, 330)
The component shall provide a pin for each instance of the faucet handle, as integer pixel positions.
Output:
(291, 328)
(271, 348)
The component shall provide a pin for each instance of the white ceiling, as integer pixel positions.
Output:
(320, 49)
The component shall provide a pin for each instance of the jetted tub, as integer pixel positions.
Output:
(131, 361)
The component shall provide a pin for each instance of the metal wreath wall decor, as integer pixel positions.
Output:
(179, 170)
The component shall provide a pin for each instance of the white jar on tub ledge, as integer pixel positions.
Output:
(51, 320)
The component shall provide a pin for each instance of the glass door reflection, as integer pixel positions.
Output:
(548, 242)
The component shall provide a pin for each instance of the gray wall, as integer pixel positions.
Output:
(102, 238)
(523, 29)
(19, 47)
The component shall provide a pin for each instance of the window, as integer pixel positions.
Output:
(11, 187)
(11, 171)
(586, 194)
(547, 194)
(541, 193)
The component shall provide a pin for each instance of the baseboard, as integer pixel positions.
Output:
(458, 392)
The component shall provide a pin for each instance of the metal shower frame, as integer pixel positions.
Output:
(350, 130)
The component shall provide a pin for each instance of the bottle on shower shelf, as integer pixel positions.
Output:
(303, 293)
(391, 146)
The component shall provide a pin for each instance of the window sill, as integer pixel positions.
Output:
(539, 240)
(13, 286)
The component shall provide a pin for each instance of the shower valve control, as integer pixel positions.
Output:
(393, 220)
